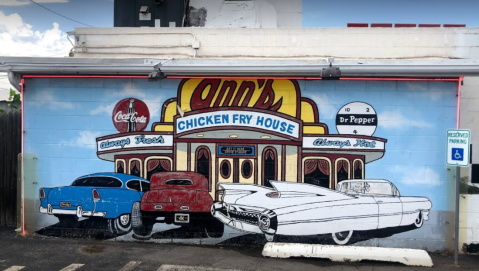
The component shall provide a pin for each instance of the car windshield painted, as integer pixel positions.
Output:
(179, 182)
(98, 182)
(366, 188)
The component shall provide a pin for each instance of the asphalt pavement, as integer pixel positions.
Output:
(69, 254)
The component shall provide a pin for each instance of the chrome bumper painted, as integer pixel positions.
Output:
(79, 212)
(239, 225)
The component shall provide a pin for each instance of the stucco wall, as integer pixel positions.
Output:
(348, 43)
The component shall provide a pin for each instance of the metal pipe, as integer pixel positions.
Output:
(14, 80)
(458, 181)
(190, 68)
(456, 217)
(22, 179)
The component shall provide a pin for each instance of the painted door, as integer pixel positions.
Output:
(236, 170)
(390, 211)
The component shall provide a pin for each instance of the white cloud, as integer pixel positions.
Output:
(153, 104)
(52, 102)
(85, 139)
(108, 109)
(26, 2)
(18, 38)
(423, 176)
(395, 120)
(327, 110)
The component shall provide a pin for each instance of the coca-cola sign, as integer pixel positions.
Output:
(130, 115)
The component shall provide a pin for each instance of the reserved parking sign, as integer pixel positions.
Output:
(458, 141)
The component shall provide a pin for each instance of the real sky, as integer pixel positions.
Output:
(27, 29)
(337, 13)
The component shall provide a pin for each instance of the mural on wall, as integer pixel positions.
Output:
(109, 196)
(242, 157)
(296, 209)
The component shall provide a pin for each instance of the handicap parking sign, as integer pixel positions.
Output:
(457, 154)
(458, 147)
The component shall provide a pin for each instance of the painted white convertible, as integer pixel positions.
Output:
(298, 209)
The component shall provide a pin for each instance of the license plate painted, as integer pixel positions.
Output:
(65, 204)
(182, 218)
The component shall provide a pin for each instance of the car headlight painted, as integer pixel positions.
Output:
(264, 222)
(268, 222)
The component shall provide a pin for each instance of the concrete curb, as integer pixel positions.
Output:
(413, 257)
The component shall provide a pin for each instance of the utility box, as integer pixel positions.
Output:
(150, 13)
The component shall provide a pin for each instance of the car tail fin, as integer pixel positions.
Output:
(42, 193)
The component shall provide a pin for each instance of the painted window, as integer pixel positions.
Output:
(120, 167)
(135, 168)
(269, 166)
(247, 169)
(358, 169)
(203, 163)
(179, 182)
(342, 170)
(225, 169)
(157, 165)
(317, 172)
(145, 186)
(98, 182)
(134, 185)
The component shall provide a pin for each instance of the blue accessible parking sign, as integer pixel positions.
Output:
(458, 142)
(457, 154)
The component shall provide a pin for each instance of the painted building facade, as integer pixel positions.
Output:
(354, 161)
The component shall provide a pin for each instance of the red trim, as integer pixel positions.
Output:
(174, 155)
(453, 25)
(313, 78)
(314, 106)
(429, 25)
(405, 25)
(263, 158)
(136, 149)
(381, 25)
(255, 171)
(458, 119)
(397, 79)
(299, 164)
(283, 163)
(210, 184)
(298, 102)
(163, 110)
(357, 25)
(22, 85)
(233, 77)
(238, 141)
(86, 76)
(188, 156)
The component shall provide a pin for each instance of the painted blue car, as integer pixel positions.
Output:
(101, 195)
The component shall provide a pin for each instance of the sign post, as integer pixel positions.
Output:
(458, 142)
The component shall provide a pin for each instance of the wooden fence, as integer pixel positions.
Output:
(10, 147)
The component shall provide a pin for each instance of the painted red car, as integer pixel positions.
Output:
(180, 198)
